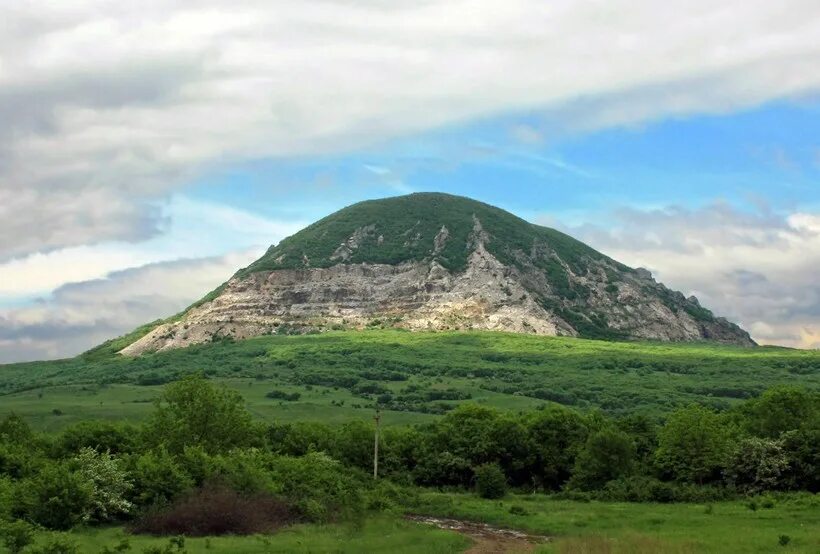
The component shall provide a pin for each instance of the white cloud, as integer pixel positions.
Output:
(192, 229)
(108, 106)
(81, 315)
(757, 268)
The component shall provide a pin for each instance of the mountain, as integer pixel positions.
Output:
(436, 261)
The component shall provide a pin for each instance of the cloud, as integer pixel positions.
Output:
(80, 315)
(108, 108)
(758, 268)
(192, 229)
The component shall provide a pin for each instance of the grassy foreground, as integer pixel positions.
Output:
(381, 534)
(598, 527)
(574, 528)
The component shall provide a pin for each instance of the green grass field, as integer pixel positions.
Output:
(380, 534)
(340, 376)
(573, 527)
(593, 527)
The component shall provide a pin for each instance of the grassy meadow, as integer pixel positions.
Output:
(339, 376)
(572, 528)
(611, 527)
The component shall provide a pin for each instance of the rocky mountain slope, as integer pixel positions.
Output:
(435, 261)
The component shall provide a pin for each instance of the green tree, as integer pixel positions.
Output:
(102, 436)
(802, 449)
(782, 409)
(557, 435)
(192, 411)
(607, 455)
(693, 444)
(56, 498)
(490, 481)
(15, 430)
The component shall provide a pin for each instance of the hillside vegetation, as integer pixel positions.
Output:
(403, 229)
(340, 375)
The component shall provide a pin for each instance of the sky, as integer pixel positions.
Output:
(149, 150)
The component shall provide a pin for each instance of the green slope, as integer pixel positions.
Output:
(340, 375)
(408, 226)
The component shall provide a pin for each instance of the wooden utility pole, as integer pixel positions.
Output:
(376, 445)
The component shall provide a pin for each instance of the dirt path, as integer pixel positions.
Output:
(487, 539)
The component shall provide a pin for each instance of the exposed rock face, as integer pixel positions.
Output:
(424, 295)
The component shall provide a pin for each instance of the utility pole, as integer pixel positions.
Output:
(376, 445)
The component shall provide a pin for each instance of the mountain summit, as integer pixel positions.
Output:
(436, 261)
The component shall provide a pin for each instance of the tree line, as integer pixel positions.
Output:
(200, 439)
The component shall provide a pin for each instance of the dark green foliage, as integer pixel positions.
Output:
(607, 455)
(490, 481)
(14, 430)
(282, 395)
(103, 436)
(158, 478)
(783, 409)
(56, 497)
(396, 230)
(16, 535)
(318, 487)
(557, 435)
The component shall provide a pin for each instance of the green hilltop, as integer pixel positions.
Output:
(404, 228)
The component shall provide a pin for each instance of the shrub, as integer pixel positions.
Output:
(607, 455)
(158, 479)
(58, 544)
(14, 429)
(490, 481)
(109, 483)
(756, 465)
(56, 498)
(282, 395)
(783, 540)
(318, 487)
(216, 509)
(17, 535)
(102, 436)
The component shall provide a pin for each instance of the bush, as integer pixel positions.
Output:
(56, 498)
(57, 545)
(607, 455)
(17, 535)
(318, 487)
(102, 436)
(490, 481)
(756, 465)
(109, 483)
(158, 479)
(282, 395)
(216, 509)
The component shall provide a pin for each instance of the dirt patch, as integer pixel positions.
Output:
(487, 539)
